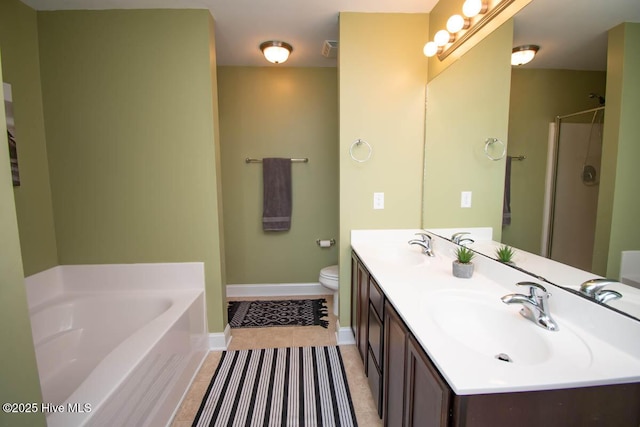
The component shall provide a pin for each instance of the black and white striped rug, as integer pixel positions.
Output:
(300, 386)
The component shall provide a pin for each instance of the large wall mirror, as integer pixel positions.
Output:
(560, 196)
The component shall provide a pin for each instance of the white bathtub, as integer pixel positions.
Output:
(117, 345)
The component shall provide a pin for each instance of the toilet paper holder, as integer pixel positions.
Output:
(325, 243)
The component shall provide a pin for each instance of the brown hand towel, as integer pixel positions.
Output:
(506, 204)
(276, 177)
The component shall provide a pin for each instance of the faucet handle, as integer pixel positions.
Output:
(532, 288)
(425, 236)
(593, 286)
(455, 237)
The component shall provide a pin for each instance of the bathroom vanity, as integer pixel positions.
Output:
(442, 351)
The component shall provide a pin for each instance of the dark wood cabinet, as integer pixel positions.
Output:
(363, 313)
(427, 395)
(410, 391)
(354, 295)
(395, 350)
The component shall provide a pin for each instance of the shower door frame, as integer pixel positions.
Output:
(551, 181)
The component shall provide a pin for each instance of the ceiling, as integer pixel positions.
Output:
(571, 33)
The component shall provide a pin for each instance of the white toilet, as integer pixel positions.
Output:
(329, 279)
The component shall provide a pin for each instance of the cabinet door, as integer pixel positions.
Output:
(354, 295)
(427, 396)
(363, 313)
(395, 344)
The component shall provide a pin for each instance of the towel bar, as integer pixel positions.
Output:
(250, 160)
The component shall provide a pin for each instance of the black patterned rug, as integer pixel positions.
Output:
(301, 386)
(259, 314)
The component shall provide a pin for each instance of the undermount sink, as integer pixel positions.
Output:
(485, 325)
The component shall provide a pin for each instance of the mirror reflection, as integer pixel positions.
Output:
(567, 189)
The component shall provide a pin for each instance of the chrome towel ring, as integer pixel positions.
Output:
(489, 142)
(357, 143)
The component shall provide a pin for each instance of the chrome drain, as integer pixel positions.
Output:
(503, 357)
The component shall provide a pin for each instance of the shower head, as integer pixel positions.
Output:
(599, 97)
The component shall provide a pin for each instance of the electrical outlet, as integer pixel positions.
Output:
(378, 200)
(465, 199)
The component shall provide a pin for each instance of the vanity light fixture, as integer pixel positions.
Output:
(430, 49)
(471, 8)
(521, 55)
(457, 23)
(276, 51)
(442, 37)
(475, 15)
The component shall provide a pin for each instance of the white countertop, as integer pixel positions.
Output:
(598, 345)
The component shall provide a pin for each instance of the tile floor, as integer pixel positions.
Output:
(295, 336)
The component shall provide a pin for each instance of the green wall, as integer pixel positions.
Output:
(21, 68)
(537, 97)
(279, 112)
(466, 104)
(18, 368)
(382, 77)
(129, 117)
(618, 203)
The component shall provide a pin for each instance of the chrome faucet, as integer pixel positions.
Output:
(535, 307)
(425, 243)
(594, 288)
(457, 237)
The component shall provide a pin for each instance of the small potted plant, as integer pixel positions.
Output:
(505, 254)
(462, 266)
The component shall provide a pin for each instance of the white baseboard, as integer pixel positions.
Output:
(277, 290)
(344, 336)
(219, 341)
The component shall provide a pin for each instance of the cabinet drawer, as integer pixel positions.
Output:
(375, 336)
(375, 383)
(376, 297)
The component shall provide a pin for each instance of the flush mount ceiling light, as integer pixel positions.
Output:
(523, 54)
(276, 51)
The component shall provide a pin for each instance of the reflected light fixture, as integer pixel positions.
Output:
(276, 51)
(523, 54)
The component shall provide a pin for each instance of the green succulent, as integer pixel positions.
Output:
(464, 255)
(505, 253)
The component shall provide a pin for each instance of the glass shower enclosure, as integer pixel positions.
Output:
(571, 191)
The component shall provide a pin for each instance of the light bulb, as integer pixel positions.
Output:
(442, 37)
(276, 54)
(471, 8)
(455, 24)
(430, 49)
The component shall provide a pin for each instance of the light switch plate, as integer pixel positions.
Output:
(378, 200)
(465, 199)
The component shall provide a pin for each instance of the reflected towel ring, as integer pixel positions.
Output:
(357, 143)
(491, 141)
